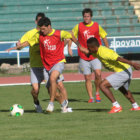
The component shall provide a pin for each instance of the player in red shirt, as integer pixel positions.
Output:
(83, 31)
(52, 54)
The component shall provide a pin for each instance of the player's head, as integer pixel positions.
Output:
(92, 44)
(39, 16)
(87, 15)
(45, 25)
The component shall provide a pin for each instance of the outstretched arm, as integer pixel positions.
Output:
(106, 42)
(19, 46)
(133, 64)
(82, 49)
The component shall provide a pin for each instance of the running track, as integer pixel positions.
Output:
(69, 77)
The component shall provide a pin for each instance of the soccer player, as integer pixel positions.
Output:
(120, 79)
(52, 53)
(83, 31)
(37, 72)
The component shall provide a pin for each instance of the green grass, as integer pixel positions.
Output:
(87, 122)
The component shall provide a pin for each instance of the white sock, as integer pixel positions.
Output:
(116, 104)
(135, 105)
(51, 103)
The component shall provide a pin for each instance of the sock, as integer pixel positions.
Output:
(116, 104)
(36, 102)
(97, 94)
(135, 105)
(51, 103)
(91, 98)
(64, 103)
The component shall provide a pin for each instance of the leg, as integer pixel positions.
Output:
(97, 79)
(97, 83)
(53, 84)
(85, 69)
(127, 94)
(62, 90)
(105, 88)
(36, 78)
(35, 92)
(88, 84)
(130, 97)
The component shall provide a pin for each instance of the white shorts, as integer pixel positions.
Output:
(86, 67)
(120, 79)
(59, 67)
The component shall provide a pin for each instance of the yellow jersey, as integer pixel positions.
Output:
(108, 58)
(34, 50)
(64, 35)
(102, 32)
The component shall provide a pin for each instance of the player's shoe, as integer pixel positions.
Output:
(135, 109)
(91, 100)
(115, 109)
(98, 99)
(66, 109)
(38, 108)
(50, 108)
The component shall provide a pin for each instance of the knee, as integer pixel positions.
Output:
(34, 90)
(97, 75)
(60, 86)
(102, 85)
(52, 79)
(88, 78)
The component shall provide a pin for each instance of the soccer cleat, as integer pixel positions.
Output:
(91, 100)
(38, 108)
(135, 109)
(98, 99)
(50, 108)
(66, 109)
(115, 109)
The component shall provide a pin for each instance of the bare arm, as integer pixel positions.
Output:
(82, 49)
(69, 48)
(135, 65)
(106, 42)
(19, 46)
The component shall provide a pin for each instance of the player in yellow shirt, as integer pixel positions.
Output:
(37, 72)
(120, 79)
(54, 62)
(82, 32)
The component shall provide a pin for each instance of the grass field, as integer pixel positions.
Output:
(87, 122)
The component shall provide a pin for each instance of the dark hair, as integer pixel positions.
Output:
(44, 22)
(42, 15)
(93, 41)
(87, 10)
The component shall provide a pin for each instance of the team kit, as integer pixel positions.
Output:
(47, 60)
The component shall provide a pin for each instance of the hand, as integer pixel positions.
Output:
(13, 48)
(136, 66)
(70, 52)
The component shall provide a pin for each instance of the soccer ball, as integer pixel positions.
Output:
(16, 110)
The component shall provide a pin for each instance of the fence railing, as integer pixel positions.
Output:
(121, 44)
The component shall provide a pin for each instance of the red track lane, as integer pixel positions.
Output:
(67, 76)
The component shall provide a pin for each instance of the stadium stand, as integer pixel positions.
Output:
(116, 16)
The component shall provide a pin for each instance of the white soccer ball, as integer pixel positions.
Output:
(16, 110)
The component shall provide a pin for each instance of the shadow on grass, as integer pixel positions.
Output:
(92, 110)
(138, 93)
(26, 111)
(70, 100)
